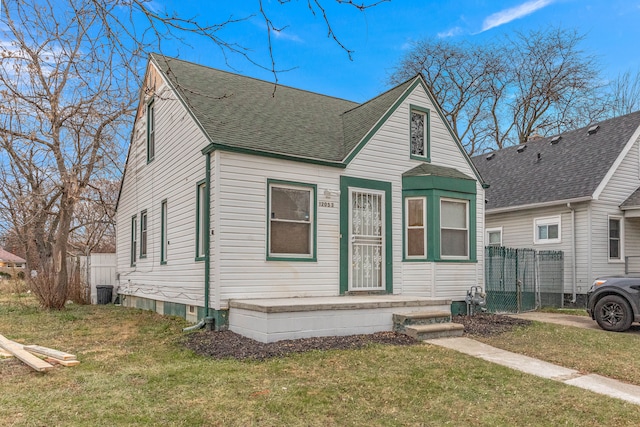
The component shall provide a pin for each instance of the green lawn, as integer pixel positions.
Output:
(135, 372)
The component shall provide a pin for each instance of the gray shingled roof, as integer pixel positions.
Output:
(245, 113)
(426, 169)
(633, 201)
(9, 257)
(544, 172)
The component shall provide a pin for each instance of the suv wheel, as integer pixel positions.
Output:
(613, 313)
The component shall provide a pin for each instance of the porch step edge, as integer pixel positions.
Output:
(435, 330)
(338, 303)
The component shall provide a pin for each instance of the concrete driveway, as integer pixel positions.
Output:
(568, 320)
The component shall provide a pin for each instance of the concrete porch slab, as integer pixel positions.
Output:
(270, 320)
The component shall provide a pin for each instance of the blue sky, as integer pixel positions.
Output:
(381, 35)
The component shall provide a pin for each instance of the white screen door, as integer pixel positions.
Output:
(366, 243)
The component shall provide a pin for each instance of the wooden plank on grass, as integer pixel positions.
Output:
(5, 353)
(49, 352)
(67, 363)
(26, 357)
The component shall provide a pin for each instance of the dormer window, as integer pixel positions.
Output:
(151, 128)
(419, 133)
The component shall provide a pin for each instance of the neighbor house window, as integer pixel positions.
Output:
(454, 228)
(291, 220)
(200, 220)
(494, 236)
(134, 239)
(419, 132)
(151, 131)
(415, 227)
(164, 241)
(615, 233)
(547, 230)
(143, 234)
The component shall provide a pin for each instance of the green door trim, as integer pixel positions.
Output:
(345, 183)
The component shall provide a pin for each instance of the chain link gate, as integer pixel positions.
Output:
(513, 279)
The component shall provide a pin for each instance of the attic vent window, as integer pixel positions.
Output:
(491, 156)
(521, 148)
(556, 139)
(593, 129)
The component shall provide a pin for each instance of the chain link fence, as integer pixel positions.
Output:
(519, 280)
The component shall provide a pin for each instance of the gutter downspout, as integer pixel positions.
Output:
(206, 320)
(573, 253)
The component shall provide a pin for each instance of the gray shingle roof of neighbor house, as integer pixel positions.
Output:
(633, 201)
(550, 170)
(250, 114)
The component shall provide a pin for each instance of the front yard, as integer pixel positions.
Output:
(135, 371)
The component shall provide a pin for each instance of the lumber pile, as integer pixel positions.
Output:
(31, 355)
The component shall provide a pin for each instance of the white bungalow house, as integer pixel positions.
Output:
(281, 213)
(578, 192)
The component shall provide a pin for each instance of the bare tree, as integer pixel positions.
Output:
(501, 93)
(624, 93)
(69, 74)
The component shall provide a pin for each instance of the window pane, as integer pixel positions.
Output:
(453, 215)
(553, 231)
(291, 204)
(290, 238)
(614, 228)
(495, 237)
(416, 212)
(417, 133)
(543, 232)
(415, 243)
(614, 248)
(454, 243)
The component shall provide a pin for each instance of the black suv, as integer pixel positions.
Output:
(614, 302)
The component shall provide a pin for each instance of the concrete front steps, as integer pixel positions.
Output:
(427, 325)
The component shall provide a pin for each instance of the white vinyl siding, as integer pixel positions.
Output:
(146, 185)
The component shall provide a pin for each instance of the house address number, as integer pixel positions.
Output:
(326, 204)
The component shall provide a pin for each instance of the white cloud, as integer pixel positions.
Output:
(455, 31)
(507, 15)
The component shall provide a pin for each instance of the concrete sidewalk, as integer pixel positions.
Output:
(529, 365)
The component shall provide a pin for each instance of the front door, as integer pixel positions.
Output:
(366, 240)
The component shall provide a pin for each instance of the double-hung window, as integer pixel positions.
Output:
(416, 232)
(615, 233)
(151, 131)
(291, 222)
(547, 230)
(134, 240)
(419, 133)
(143, 234)
(454, 229)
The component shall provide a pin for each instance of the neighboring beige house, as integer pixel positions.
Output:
(10, 263)
(578, 192)
(235, 190)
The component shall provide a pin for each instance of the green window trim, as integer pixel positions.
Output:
(434, 197)
(201, 191)
(134, 240)
(427, 133)
(313, 221)
(144, 234)
(406, 227)
(151, 131)
(164, 242)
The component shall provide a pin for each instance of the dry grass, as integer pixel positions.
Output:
(134, 372)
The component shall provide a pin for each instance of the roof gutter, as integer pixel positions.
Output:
(538, 205)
